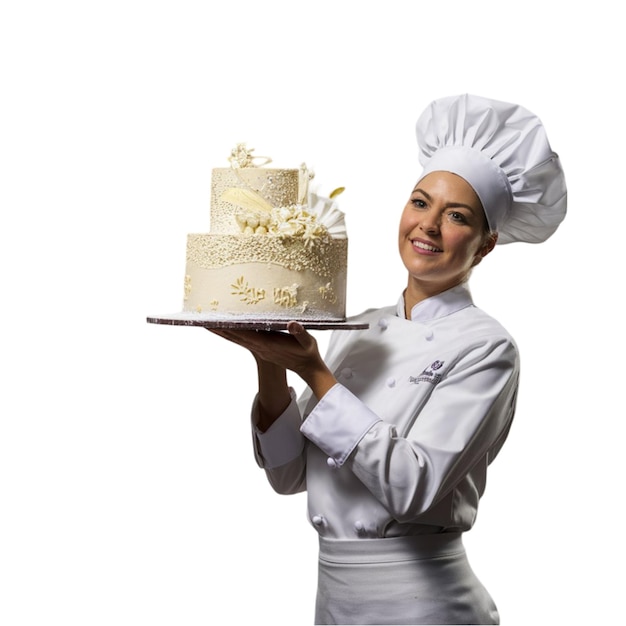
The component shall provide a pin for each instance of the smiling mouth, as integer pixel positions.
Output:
(425, 246)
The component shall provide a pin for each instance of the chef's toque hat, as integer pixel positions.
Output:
(502, 151)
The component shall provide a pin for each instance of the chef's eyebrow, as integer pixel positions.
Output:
(423, 193)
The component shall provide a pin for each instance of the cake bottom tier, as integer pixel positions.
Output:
(266, 288)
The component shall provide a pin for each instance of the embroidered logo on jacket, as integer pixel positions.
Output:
(429, 375)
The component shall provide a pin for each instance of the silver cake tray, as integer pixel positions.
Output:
(250, 323)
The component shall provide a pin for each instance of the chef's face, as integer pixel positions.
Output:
(443, 233)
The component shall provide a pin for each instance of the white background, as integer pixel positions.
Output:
(128, 490)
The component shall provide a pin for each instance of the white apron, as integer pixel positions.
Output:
(423, 579)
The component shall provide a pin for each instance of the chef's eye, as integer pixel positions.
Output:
(418, 203)
(457, 217)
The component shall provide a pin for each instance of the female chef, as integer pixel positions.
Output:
(393, 437)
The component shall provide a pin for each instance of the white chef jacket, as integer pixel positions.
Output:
(400, 446)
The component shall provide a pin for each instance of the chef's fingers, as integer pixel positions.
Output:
(305, 339)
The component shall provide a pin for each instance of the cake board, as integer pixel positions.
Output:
(250, 323)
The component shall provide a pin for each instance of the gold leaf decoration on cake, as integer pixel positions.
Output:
(335, 192)
(327, 292)
(286, 296)
(247, 199)
(187, 286)
(247, 294)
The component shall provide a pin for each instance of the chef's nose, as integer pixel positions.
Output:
(430, 223)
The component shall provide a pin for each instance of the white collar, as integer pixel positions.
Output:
(444, 303)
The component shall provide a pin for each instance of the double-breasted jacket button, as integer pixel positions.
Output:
(331, 462)
(383, 323)
(429, 335)
(318, 520)
(359, 526)
(391, 382)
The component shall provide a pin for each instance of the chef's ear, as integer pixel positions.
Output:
(491, 238)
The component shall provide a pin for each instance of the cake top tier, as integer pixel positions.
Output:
(250, 199)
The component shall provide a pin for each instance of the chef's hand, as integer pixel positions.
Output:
(295, 350)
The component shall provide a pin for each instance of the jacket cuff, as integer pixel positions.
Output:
(282, 441)
(337, 424)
